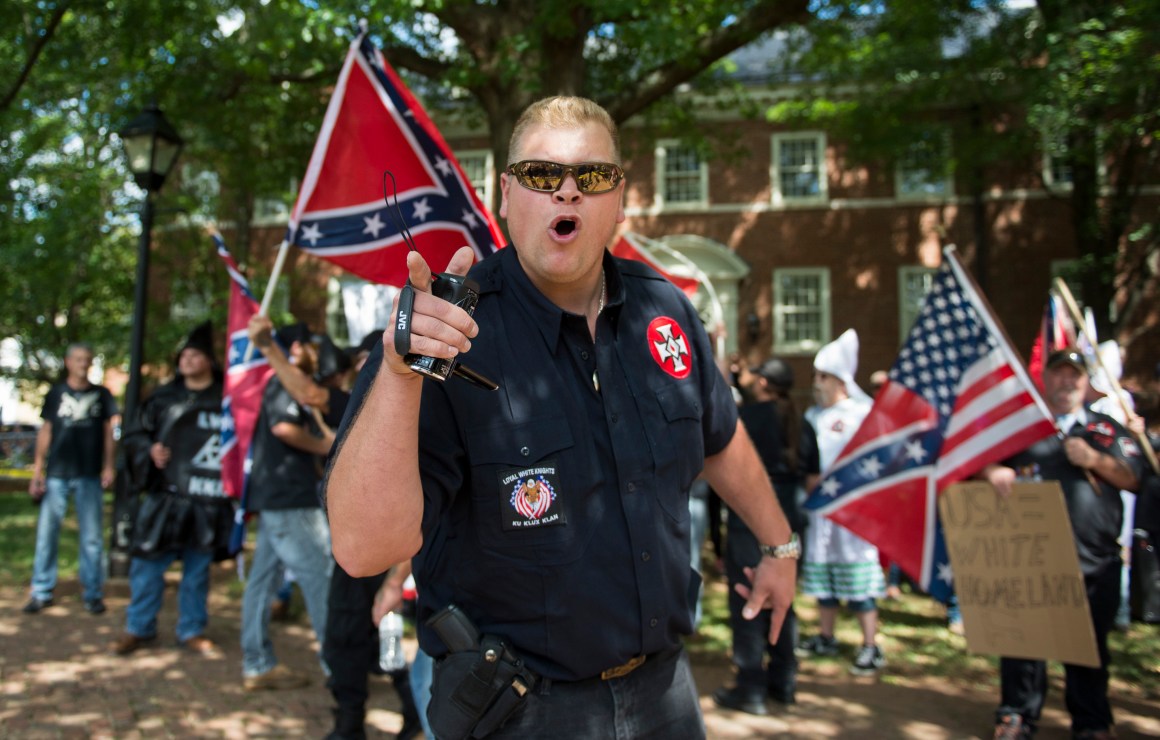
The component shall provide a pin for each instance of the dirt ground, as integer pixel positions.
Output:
(58, 680)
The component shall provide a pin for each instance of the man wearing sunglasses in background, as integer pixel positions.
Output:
(553, 512)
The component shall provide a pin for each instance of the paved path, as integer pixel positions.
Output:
(59, 680)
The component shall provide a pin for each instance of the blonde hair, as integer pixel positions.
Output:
(562, 111)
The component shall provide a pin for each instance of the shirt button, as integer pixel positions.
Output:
(645, 556)
(615, 418)
(631, 487)
(525, 451)
(584, 354)
(652, 622)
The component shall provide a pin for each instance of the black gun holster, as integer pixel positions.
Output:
(475, 691)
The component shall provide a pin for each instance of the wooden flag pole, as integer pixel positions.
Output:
(1117, 391)
(264, 309)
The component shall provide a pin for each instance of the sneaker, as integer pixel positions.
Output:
(201, 645)
(869, 661)
(738, 699)
(956, 627)
(34, 605)
(277, 678)
(95, 606)
(817, 645)
(130, 643)
(1011, 727)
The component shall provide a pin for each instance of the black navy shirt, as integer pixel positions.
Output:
(556, 508)
(282, 477)
(1096, 515)
(76, 449)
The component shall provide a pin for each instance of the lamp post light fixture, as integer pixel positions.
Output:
(152, 146)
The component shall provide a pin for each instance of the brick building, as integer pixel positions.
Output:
(802, 243)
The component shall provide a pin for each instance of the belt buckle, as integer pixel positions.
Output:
(622, 670)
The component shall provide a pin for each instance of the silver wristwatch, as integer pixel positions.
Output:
(791, 549)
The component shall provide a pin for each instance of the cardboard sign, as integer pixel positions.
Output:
(1016, 572)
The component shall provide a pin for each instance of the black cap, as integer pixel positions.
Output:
(292, 333)
(368, 342)
(331, 359)
(199, 338)
(1066, 356)
(776, 372)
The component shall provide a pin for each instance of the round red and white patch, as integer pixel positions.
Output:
(670, 346)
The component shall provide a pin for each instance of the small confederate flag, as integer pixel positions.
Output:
(374, 124)
(1056, 331)
(242, 395)
(957, 399)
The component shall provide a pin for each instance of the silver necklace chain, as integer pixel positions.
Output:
(600, 305)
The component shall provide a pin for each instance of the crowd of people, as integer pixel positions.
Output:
(547, 522)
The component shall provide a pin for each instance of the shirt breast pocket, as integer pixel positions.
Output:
(679, 448)
(524, 488)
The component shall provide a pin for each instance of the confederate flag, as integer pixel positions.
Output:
(957, 399)
(374, 125)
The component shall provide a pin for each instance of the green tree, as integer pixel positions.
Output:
(246, 83)
(881, 74)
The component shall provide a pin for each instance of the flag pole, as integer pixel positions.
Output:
(1117, 391)
(988, 316)
(264, 309)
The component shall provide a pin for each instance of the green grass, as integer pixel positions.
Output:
(912, 631)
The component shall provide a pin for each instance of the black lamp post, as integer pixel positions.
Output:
(151, 147)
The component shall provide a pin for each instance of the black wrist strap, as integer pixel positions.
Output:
(403, 319)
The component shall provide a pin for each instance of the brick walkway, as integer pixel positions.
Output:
(59, 680)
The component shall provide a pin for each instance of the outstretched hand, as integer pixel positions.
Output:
(438, 328)
(774, 582)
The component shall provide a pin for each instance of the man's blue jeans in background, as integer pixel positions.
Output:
(90, 501)
(147, 588)
(300, 539)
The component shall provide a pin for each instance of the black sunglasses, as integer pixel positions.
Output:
(547, 177)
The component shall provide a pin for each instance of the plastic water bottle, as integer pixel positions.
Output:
(391, 657)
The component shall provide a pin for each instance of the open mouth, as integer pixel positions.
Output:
(564, 227)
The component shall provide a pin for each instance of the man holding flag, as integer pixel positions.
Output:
(570, 480)
(1093, 458)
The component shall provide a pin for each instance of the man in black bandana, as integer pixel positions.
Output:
(173, 452)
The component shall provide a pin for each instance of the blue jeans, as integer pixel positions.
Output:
(89, 499)
(422, 669)
(699, 529)
(657, 701)
(299, 538)
(147, 587)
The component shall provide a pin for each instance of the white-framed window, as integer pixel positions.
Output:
(478, 164)
(355, 308)
(923, 169)
(798, 168)
(682, 176)
(1057, 173)
(914, 282)
(801, 309)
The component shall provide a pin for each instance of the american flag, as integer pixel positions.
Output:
(374, 124)
(957, 399)
(242, 395)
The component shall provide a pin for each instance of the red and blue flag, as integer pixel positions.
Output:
(242, 394)
(957, 399)
(374, 124)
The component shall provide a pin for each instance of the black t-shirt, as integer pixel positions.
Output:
(282, 477)
(78, 429)
(1096, 516)
(767, 430)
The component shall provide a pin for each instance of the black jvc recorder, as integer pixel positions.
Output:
(457, 289)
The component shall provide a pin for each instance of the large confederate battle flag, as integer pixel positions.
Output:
(957, 399)
(242, 395)
(374, 124)
(628, 246)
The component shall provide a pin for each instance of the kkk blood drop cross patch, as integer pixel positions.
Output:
(669, 346)
(528, 497)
